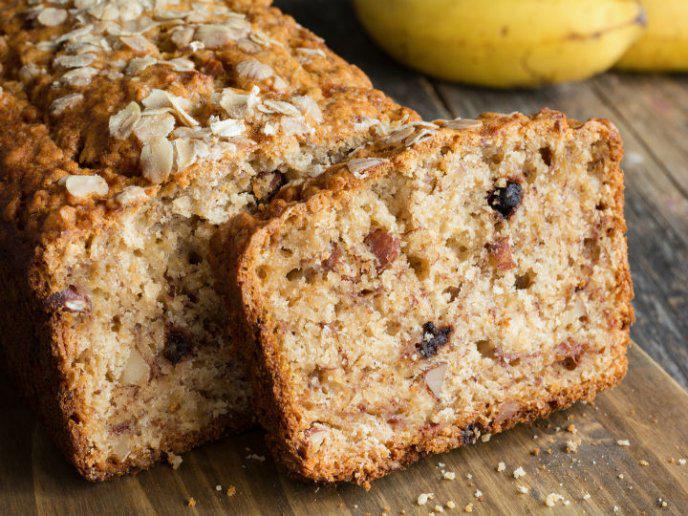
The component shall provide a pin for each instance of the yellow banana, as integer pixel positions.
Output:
(504, 43)
(664, 46)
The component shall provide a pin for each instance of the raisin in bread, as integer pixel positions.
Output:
(448, 282)
(129, 130)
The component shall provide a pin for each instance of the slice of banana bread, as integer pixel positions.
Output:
(448, 282)
(129, 130)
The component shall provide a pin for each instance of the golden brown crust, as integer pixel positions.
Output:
(241, 241)
(55, 114)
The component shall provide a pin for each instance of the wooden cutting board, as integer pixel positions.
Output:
(649, 410)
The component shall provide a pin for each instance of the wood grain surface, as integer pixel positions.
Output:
(649, 410)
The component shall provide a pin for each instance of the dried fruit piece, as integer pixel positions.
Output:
(178, 344)
(569, 354)
(433, 339)
(384, 246)
(500, 253)
(506, 199)
(331, 261)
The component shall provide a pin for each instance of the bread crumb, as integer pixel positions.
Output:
(662, 503)
(681, 462)
(643, 462)
(552, 499)
(519, 472)
(448, 475)
(174, 460)
(621, 476)
(586, 496)
(438, 508)
(501, 467)
(450, 504)
(424, 497)
(231, 491)
(571, 446)
(253, 456)
(440, 464)
(218, 487)
(616, 508)
(571, 428)
(523, 489)
(478, 493)
(191, 502)
(468, 508)
(623, 442)
(485, 437)
(535, 451)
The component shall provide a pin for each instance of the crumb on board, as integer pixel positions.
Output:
(231, 491)
(571, 446)
(519, 472)
(256, 457)
(586, 496)
(448, 475)
(468, 508)
(571, 428)
(623, 442)
(191, 502)
(451, 504)
(643, 462)
(501, 467)
(424, 497)
(174, 460)
(681, 461)
(478, 493)
(438, 508)
(485, 437)
(523, 489)
(662, 503)
(535, 451)
(552, 499)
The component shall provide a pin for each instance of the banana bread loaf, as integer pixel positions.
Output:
(129, 130)
(449, 281)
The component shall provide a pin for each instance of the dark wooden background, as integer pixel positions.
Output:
(651, 111)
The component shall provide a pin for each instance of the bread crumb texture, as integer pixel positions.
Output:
(455, 282)
(129, 130)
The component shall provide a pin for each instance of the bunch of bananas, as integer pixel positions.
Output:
(525, 43)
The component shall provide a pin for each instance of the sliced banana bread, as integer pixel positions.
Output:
(129, 130)
(448, 282)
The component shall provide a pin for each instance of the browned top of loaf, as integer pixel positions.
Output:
(67, 69)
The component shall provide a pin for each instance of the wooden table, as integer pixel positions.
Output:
(651, 111)
(649, 409)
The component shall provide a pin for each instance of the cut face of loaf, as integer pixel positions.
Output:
(128, 132)
(435, 290)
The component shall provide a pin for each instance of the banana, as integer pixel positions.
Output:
(664, 46)
(504, 43)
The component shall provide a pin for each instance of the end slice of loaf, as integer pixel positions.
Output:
(129, 131)
(446, 283)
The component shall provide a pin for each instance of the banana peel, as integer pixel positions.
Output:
(664, 45)
(504, 43)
